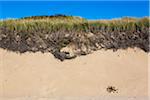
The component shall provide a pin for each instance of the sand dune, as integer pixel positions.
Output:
(40, 76)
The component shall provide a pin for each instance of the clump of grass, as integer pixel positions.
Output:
(52, 33)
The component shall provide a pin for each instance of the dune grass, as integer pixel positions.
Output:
(74, 24)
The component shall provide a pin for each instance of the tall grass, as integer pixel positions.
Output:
(74, 23)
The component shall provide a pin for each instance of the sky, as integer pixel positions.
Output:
(86, 9)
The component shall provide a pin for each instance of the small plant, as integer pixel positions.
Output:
(112, 89)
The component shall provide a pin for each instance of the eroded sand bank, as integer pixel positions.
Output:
(37, 75)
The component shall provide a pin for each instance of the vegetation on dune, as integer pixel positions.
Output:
(56, 33)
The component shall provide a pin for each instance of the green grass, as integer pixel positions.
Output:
(74, 24)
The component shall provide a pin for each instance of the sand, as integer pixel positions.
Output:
(38, 76)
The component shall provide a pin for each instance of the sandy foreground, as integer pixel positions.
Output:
(38, 76)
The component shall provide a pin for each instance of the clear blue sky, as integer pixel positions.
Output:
(86, 9)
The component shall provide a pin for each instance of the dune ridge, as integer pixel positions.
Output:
(67, 37)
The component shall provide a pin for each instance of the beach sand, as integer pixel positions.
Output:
(38, 76)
